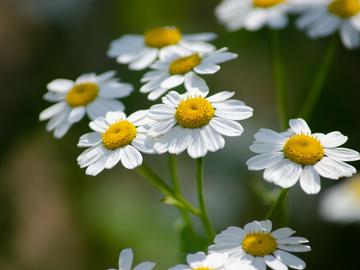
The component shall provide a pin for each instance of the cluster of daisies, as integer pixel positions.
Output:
(253, 247)
(196, 120)
(318, 18)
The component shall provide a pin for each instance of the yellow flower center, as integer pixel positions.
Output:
(259, 244)
(162, 36)
(266, 3)
(82, 94)
(344, 8)
(303, 149)
(119, 135)
(184, 64)
(194, 112)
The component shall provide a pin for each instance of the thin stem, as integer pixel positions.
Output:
(156, 181)
(279, 80)
(320, 78)
(177, 189)
(277, 204)
(204, 215)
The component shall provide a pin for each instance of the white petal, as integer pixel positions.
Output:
(333, 139)
(101, 106)
(161, 127)
(99, 125)
(226, 127)
(96, 167)
(265, 147)
(172, 99)
(310, 180)
(205, 68)
(89, 139)
(255, 19)
(145, 266)
(349, 36)
(76, 114)
(284, 173)
(130, 157)
(198, 148)
(181, 141)
(196, 257)
(113, 158)
(173, 81)
(295, 248)
(113, 117)
(274, 263)
(219, 97)
(115, 90)
(290, 260)
(263, 161)
(259, 263)
(138, 117)
(161, 112)
(333, 169)
(198, 46)
(195, 84)
(126, 259)
(254, 226)
(155, 94)
(206, 36)
(60, 85)
(127, 44)
(214, 140)
(62, 129)
(144, 60)
(282, 233)
(299, 126)
(233, 110)
(87, 77)
(270, 136)
(52, 111)
(294, 240)
(342, 154)
(54, 97)
(90, 156)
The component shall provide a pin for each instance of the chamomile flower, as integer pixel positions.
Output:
(177, 66)
(300, 154)
(253, 14)
(324, 17)
(115, 138)
(342, 202)
(126, 260)
(260, 246)
(89, 94)
(201, 261)
(195, 122)
(140, 51)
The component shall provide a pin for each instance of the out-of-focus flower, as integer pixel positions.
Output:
(195, 122)
(201, 261)
(115, 138)
(126, 259)
(299, 154)
(342, 202)
(140, 51)
(254, 14)
(260, 246)
(177, 65)
(89, 94)
(324, 17)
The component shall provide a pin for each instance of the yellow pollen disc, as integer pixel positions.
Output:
(184, 64)
(194, 112)
(303, 149)
(162, 36)
(344, 8)
(266, 3)
(82, 94)
(259, 244)
(119, 135)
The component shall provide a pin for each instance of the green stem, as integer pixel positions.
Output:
(204, 215)
(279, 80)
(177, 189)
(277, 204)
(320, 78)
(156, 181)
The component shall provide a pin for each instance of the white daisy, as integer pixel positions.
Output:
(342, 202)
(91, 94)
(259, 246)
(299, 154)
(126, 260)
(115, 138)
(195, 122)
(324, 17)
(140, 51)
(178, 65)
(254, 14)
(201, 261)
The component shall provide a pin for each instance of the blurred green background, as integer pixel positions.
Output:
(52, 216)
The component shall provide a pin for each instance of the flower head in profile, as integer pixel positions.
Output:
(195, 122)
(300, 154)
(115, 138)
(89, 94)
(258, 245)
(140, 51)
(341, 203)
(177, 66)
(253, 14)
(126, 260)
(323, 18)
(201, 261)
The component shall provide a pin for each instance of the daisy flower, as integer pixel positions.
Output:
(177, 65)
(324, 17)
(140, 51)
(115, 138)
(342, 202)
(260, 246)
(89, 94)
(126, 260)
(195, 122)
(253, 14)
(300, 154)
(201, 261)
